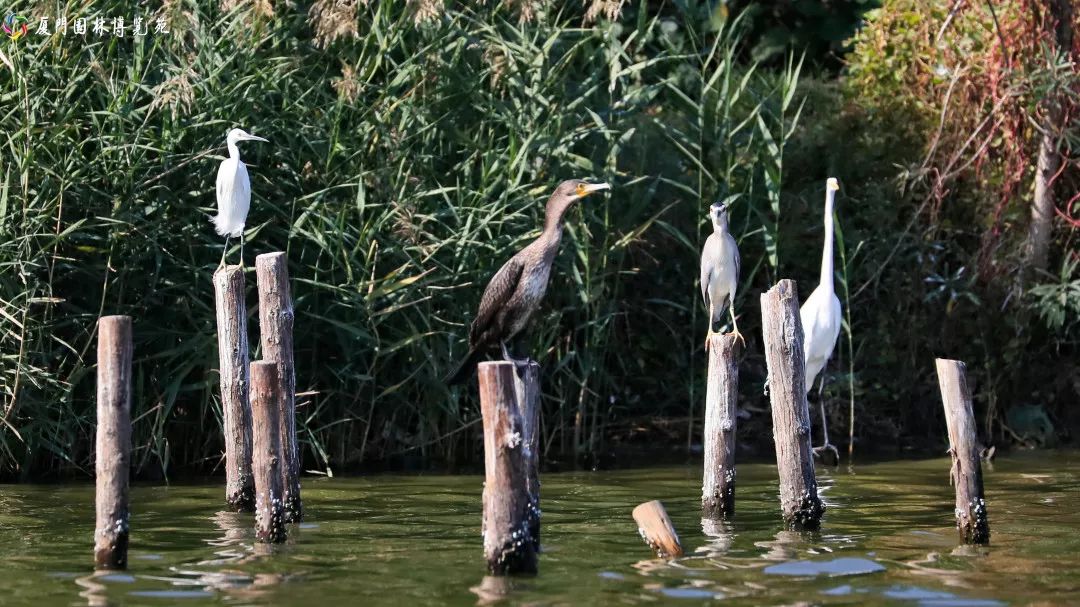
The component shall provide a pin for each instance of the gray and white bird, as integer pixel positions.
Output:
(720, 270)
(233, 193)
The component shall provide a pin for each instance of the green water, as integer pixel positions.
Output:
(887, 538)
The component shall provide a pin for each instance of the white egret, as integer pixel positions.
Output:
(233, 193)
(821, 314)
(720, 270)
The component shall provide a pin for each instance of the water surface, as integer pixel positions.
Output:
(887, 538)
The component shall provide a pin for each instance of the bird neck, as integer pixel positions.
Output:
(553, 220)
(234, 152)
(827, 251)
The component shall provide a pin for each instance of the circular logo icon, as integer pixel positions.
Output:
(15, 26)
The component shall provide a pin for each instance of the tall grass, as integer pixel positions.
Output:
(407, 161)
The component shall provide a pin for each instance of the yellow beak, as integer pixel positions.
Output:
(585, 189)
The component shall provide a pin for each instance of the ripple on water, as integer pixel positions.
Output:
(833, 568)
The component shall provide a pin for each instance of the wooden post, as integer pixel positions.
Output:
(233, 372)
(527, 395)
(966, 472)
(508, 509)
(656, 529)
(721, 401)
(276, 330)
(113, 441)
(268, 460)
(782, 328)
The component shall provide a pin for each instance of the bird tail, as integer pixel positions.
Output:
(465, 368)
(719, 313)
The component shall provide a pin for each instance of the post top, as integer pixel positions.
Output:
(228, 270)
(115, 318)
(269, 257)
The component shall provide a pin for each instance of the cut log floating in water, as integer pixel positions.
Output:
(113, 441)
(268, 459)
(510, 515)
(966, 472)
(782, 328)
(233, 364)
(656, 529)
(721, 401)
(276, 332)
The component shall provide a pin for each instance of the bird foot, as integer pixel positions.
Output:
(826, 447)
(739, 337)
(708, 339)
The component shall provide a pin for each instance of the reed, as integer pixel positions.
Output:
(405, 163)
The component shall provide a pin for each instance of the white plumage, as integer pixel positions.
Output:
(821, 312)
(233, 193)
(233, 197)
(719, 270)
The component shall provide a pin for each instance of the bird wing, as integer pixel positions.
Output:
(496, 295)
(233, 197)
(738, 266)
(708, 260)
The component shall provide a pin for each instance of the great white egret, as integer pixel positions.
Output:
(719, 270)
(233, 193)
(821, 314)
(515, 292)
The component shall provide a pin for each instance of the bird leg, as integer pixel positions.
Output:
(241, 248)
(709, 334)
(223, 252)
(518, 362)
(826, 446)
(735, 325)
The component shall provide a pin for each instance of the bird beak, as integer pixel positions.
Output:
(254, 138)
(585, 189)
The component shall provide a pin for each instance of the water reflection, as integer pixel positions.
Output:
(493, 589)
(721, 536)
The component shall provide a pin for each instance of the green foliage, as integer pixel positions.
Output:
(407, 160)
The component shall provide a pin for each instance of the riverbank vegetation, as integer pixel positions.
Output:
(412, 147)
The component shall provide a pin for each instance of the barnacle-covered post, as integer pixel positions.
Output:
(276, 336)
(782, 329)
(966, 472)
(527, 393)
(721, 398)
(113, 441)
(233, 370)
(509, 511)
(268, 459)
(655, 527)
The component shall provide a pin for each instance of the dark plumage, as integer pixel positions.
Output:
(515, 292)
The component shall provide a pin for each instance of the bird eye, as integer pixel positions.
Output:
(580, 189)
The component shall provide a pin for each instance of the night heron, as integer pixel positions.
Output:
(233, 193)
(821, 316)
(515, 292)
(720, 271)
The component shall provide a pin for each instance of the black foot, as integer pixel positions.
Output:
(826, 447)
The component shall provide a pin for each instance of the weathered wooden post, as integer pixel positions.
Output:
(966, 473)
(782, 328)
(721, 401)
(655, 527)
(113, 441)
(527, 395)
(268, 460)
(233, 362)
(276, 331)
(509, 512)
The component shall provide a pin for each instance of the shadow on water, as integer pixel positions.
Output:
(887, 538)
